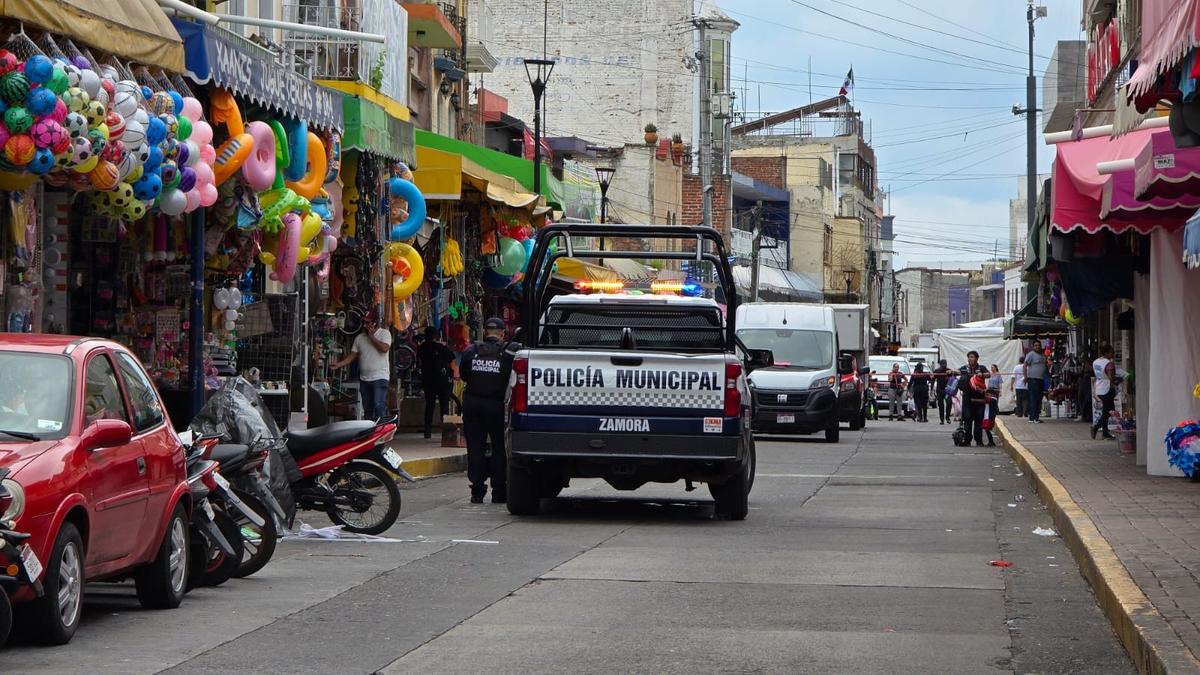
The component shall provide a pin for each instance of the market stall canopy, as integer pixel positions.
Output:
(573, 269)
(138, 30)
(1026, 323)
(630, 270)
(369, 128)
(441, 174)
(1162, 170)
(797, 287)
(229, 61)
(1169, 32)
(498, 162)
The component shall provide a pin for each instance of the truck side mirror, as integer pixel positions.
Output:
(845, 364)
(759, 358)
(865, 370)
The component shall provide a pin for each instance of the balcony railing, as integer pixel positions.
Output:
(331, 58)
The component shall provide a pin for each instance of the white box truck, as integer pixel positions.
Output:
(853, 323)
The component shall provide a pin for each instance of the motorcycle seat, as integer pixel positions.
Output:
(306, 442)
(229, 454)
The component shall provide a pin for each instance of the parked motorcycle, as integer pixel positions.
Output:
(242, 465)
(19, 566)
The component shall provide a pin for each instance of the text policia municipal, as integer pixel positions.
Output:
(626, 378)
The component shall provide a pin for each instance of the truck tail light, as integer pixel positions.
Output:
(733, 396)
(520, 391)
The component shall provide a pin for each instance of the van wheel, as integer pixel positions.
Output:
(833, 434)
(524, 497)
(733, 496)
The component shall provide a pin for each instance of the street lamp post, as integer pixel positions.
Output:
(848, 276)
(604, 175)
(538, 78)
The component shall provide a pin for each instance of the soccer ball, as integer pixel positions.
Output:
(47, 133)
(77, 125)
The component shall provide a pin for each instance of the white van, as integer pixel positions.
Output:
(799, 394)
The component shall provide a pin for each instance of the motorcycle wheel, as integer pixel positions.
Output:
(6, 617)
(365, 498)
(258, 543)
(220, 567)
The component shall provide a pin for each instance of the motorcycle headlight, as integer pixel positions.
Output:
(823, 383)
(849, 386)
(16, 501)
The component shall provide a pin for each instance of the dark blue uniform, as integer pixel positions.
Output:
(486, 367)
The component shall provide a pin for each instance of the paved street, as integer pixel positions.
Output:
(868, 556)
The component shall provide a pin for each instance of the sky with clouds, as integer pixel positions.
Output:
(936, 80)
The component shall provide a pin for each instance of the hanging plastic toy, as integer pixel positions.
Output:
(409, 192)
(406, 286)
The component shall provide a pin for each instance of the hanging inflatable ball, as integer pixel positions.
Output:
(19, 149)
(58, 82)
(187, 179)
(8, 62)
(75, 98)
(135, 211)
(126, 166)
(160, 103)
(122, 196)
(39, 69)
(42, 162)
(156, 131)
(183, 154)
(86, 167)
(116, 125)
(144, 153)
(125, 102)
(18, 120)
(60, 112)
(77, 125)
(81, 151)
(104, 176)
(89, 81)
(170, 175)
(41, 101)
(135, 133)
(47, 133)
(114, 152)
(95, 113)
(183, 128)
(153, 159)
(63, 145)
(14, 88)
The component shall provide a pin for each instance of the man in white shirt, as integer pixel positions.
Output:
(1017, 385)
(1104, 388)
(371, 348)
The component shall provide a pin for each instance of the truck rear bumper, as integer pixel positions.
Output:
(534, 445)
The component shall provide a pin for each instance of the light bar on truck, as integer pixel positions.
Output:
(600, 286)
(690, 288)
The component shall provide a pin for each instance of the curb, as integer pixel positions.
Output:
(428, 467)
(1150, 641)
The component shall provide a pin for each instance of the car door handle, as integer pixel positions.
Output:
(141, 465)
(626, 360)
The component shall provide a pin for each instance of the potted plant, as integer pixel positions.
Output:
(651, 134)
(677, 145)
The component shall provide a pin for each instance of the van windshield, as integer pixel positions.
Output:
(807, 349)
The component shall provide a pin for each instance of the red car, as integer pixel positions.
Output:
(97, 473)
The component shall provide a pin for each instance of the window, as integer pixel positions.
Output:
(147, 411)
(102, 395)
(35, 394)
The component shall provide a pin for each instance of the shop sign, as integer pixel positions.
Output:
(1103, 55)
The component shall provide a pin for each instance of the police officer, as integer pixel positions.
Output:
(485, 368)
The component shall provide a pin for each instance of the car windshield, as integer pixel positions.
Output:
(884, 366)
(808, 349)
(35, 395)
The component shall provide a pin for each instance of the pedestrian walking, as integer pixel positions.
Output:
(371, 347)
(1035, 372)
(896, 383)
(941, 378)
(436, 359)
(918, 385)
(1018, 387)
(485, 368)
(994, 384)
(1108, 378)
(972, 387)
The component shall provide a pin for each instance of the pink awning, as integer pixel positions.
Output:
(1162, 170)
(1084, 198)
(1169, 31)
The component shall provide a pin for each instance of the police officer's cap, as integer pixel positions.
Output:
(494, 323)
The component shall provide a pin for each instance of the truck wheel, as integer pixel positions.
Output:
(524, 498)
(833, 434)
(733, 496)
(855, 423)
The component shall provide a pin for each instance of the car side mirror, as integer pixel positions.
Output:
(759, 358)
(105, 434)
(845, 364)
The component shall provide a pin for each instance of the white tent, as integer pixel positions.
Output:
(989, 341)
(984, 323)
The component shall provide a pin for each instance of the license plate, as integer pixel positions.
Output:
(392, 458)
(785, 419)
(29, 559)
(221, 480)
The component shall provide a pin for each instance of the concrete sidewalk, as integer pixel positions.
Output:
(1136, 537)
(425, 458)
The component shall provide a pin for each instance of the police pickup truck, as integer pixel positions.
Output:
(630, 385)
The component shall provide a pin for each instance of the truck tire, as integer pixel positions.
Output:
(733, 496)
(524, 497)
(833, 434)
(856, 422)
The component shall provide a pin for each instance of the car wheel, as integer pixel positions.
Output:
(162, 583)
(733, 496)
(56, 614)
(524, 498)
(833, 434)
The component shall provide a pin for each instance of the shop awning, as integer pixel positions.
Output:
(440, 175)
(1162, 170)
(573, 269)
(369, 128)
(138, 30)
(498, 162)
(230, 62)
(1027, 323)
(1169, 32)
(795, 286)
(630, 270)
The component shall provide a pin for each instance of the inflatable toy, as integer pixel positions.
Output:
(309, 184)
(259, 167)
(408, 191)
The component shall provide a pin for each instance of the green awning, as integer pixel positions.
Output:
(1027, 323)
(502, 163)
(369, 128)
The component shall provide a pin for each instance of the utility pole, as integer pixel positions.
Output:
(705, 120)
(755, 248)
(1031, 14)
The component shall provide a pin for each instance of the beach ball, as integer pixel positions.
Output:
(148, 187)
(170, 174)
(42, 163)
(14, 88)
(192, 109)
(77, 125)
(153, 159)
(8, 62)
(75, 98)
(160, 103)
(47, 133)
(89, 81)
(114, 151)
(39, 69)
(187, 178)
(183, 154)
(18, 120)
(156, 131)
(172, 202)
(41, 101)
(104, 176)
(19, 149)
(177, 100)
(116, 125)
(94, 112)
(60, 112)
(58, 81)
(183, 128)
